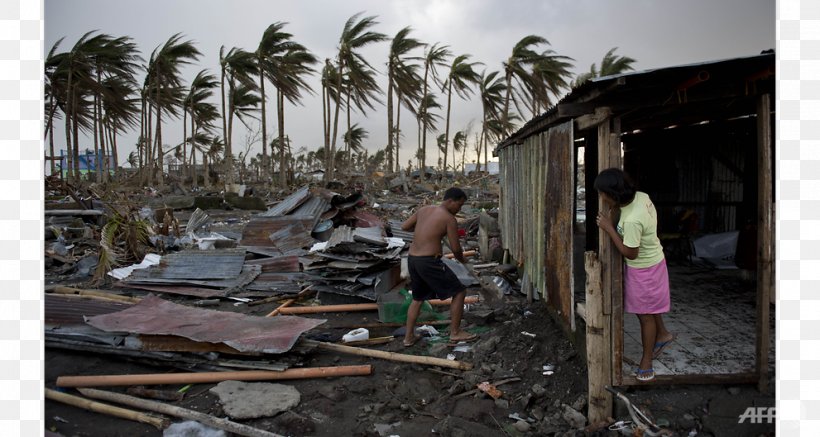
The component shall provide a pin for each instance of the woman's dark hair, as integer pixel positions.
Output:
(616, 184)
(455, 194)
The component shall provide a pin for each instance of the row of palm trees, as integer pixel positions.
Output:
(93, 87)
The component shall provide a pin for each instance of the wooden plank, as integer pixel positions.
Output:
(764, 238)
(73, 212)
(616, 260)
(599, 374)
(600, 116)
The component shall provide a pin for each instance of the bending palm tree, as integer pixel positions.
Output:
(354, 137)
(285, 63)
(461, 77)
(515, 67)
(201, 89)
(400, 46)
(435, 57)
(610, 64)
(238, 67)
(164, 74)
(491, 88)
(427, 121)
(354, 37)
(408, 93)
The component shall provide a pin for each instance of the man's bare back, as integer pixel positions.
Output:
(430, 224)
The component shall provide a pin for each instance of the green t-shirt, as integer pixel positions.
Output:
(639, 228)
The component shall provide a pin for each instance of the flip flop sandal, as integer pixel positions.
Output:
(645, 374)
(661, 345)
(411, 343)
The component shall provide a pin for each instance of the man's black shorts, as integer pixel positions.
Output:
(429, 278)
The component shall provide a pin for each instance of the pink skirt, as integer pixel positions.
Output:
(646, 290)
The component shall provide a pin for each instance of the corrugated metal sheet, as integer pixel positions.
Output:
(535, 216)
(195, 264)
(289, 203)
(284, 263)
(292, 237)
(155, 316)
(258, 230)
(279, 282)
(248, 273)
(63, 310)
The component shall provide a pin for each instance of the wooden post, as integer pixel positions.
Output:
(609, 155)
(598, 343)
(764, 238)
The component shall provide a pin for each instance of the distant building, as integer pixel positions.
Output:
(87, 161)
(492, 165)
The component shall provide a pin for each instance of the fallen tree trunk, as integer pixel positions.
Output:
(392, 356)
(97, 407)
(223, 424)
(354, 307)
(211, 377)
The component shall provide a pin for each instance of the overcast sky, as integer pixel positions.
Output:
(657, 33)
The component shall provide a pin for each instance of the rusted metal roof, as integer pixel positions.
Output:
(289, 203)
(63, 310)
(247, 274)
(279, 282)
(155, 316)
(282, 263)
(291, 237)
(195, 264)
(258, 230)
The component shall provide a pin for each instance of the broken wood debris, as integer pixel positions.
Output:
(171, 410)
(209, 377)
(99, 407)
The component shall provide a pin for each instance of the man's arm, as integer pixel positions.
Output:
(452, 238)
(410, 223)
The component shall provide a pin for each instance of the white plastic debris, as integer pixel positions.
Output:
(318, 247)
(394, 242)
(451, 357)
(528, 334)
(121, 273)
(356, 335)
(462, 348)
(548, 367)
(427, 330)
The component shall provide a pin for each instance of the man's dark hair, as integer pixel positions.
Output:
(616, 184)
(455, 194)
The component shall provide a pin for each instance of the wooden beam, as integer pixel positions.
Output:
(73, 212)
(765, 211)
(616, 272)
(597, 343)
(600, 115)
(99, 407)
(575, 109)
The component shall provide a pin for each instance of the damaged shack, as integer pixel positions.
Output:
(699, 140)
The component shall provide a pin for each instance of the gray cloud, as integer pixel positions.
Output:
(656, 33)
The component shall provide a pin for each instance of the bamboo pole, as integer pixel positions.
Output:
(466, 254)
(282, 307)
(184, 413)
(98, 407)
(392, 356)
(355, 307)
(211, 377)
(94, 294)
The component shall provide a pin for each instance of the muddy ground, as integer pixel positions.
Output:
(516, 340)
(415, 400)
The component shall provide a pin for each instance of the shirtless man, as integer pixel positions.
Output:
(429, 277)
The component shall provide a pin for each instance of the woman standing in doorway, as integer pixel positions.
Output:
(646, 280)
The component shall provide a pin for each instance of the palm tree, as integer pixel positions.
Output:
(164, 78)
(200, 90)
(549, 78)
(355, 36)
(120, 106)
(237, 66)
(491, 89)
(329, 92)
(353, 138)
(54, 94)
(408, 93)
(436, 56)
(242, 103)
(610, 64)
(427, 120)
(459, 145)
(400, 46)
(516, 67)
(461, 77)
(285, 63)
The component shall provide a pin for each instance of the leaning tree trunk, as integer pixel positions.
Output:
(398, 129)
(264, 119)
(447, 131)
(160, 155)
(280, 120)
(423, 167)
(390, 118)
(185, 143)
(331, 161)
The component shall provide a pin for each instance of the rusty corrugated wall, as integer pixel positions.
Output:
(536, 212)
